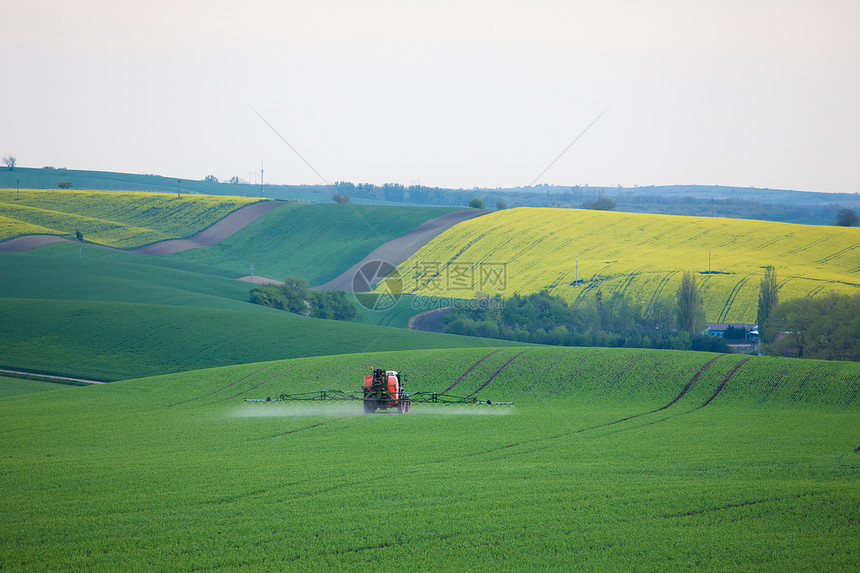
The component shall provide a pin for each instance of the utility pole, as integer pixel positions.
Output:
(18, 183)
(252, 273)
(178, 190)
(261, 179)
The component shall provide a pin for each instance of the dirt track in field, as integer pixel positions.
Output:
(398, 250)
(27, 242)
(226, 227)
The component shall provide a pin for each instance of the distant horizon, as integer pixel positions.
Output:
(502, 188)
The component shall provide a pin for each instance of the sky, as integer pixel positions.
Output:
(462, 94)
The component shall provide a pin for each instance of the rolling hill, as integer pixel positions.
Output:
(115, 219)
(576, 253)
(314, 242)
(611, 459)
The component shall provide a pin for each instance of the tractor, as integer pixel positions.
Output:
(383, 389)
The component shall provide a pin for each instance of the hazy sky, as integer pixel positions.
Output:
(455, 94)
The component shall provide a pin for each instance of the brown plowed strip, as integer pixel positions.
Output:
(496, 373)
(467, 372)
(218, 390)
(226, 227)
(251, 389)
(27, 242)
(725, 380)
(398, 250)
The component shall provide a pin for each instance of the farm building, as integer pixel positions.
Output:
(741, 338)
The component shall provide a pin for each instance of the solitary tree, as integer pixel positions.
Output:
(847, 218)
(500, 204)
(9, 161)
(341, 199)
(768, 296)
(691, 314)
(210, 179)
(476, 203)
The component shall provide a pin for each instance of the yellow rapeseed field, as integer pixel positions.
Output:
(119, 219)
(574, 253)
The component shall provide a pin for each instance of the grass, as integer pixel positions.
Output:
(68, 271)
(314, 242)
(112, 218)
(176, 473)
(107, 314)
(574, 253)
(118, 340)
(13, 386)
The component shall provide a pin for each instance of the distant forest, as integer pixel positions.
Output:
(695, 200)
(758, 204)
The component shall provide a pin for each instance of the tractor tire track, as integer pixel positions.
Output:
(735, 505)
(680, 395)
(230, 385)
(719, 389)
(261, 383)
(288, 432)
(684, 390)
(692, 381)
(722, 385)
(467, 372)
(496, 373)
(731, 299)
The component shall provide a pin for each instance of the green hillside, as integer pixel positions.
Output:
(30, 178)
(117, 340)
(315, 242)
(611, 459)
(67, 271)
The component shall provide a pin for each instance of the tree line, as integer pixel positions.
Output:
(826, 327)
(614, 320)
(296, 296)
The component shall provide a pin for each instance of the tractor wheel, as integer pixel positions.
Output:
(404, 406)
(369, 406)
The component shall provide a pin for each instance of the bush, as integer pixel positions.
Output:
(295, 296)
